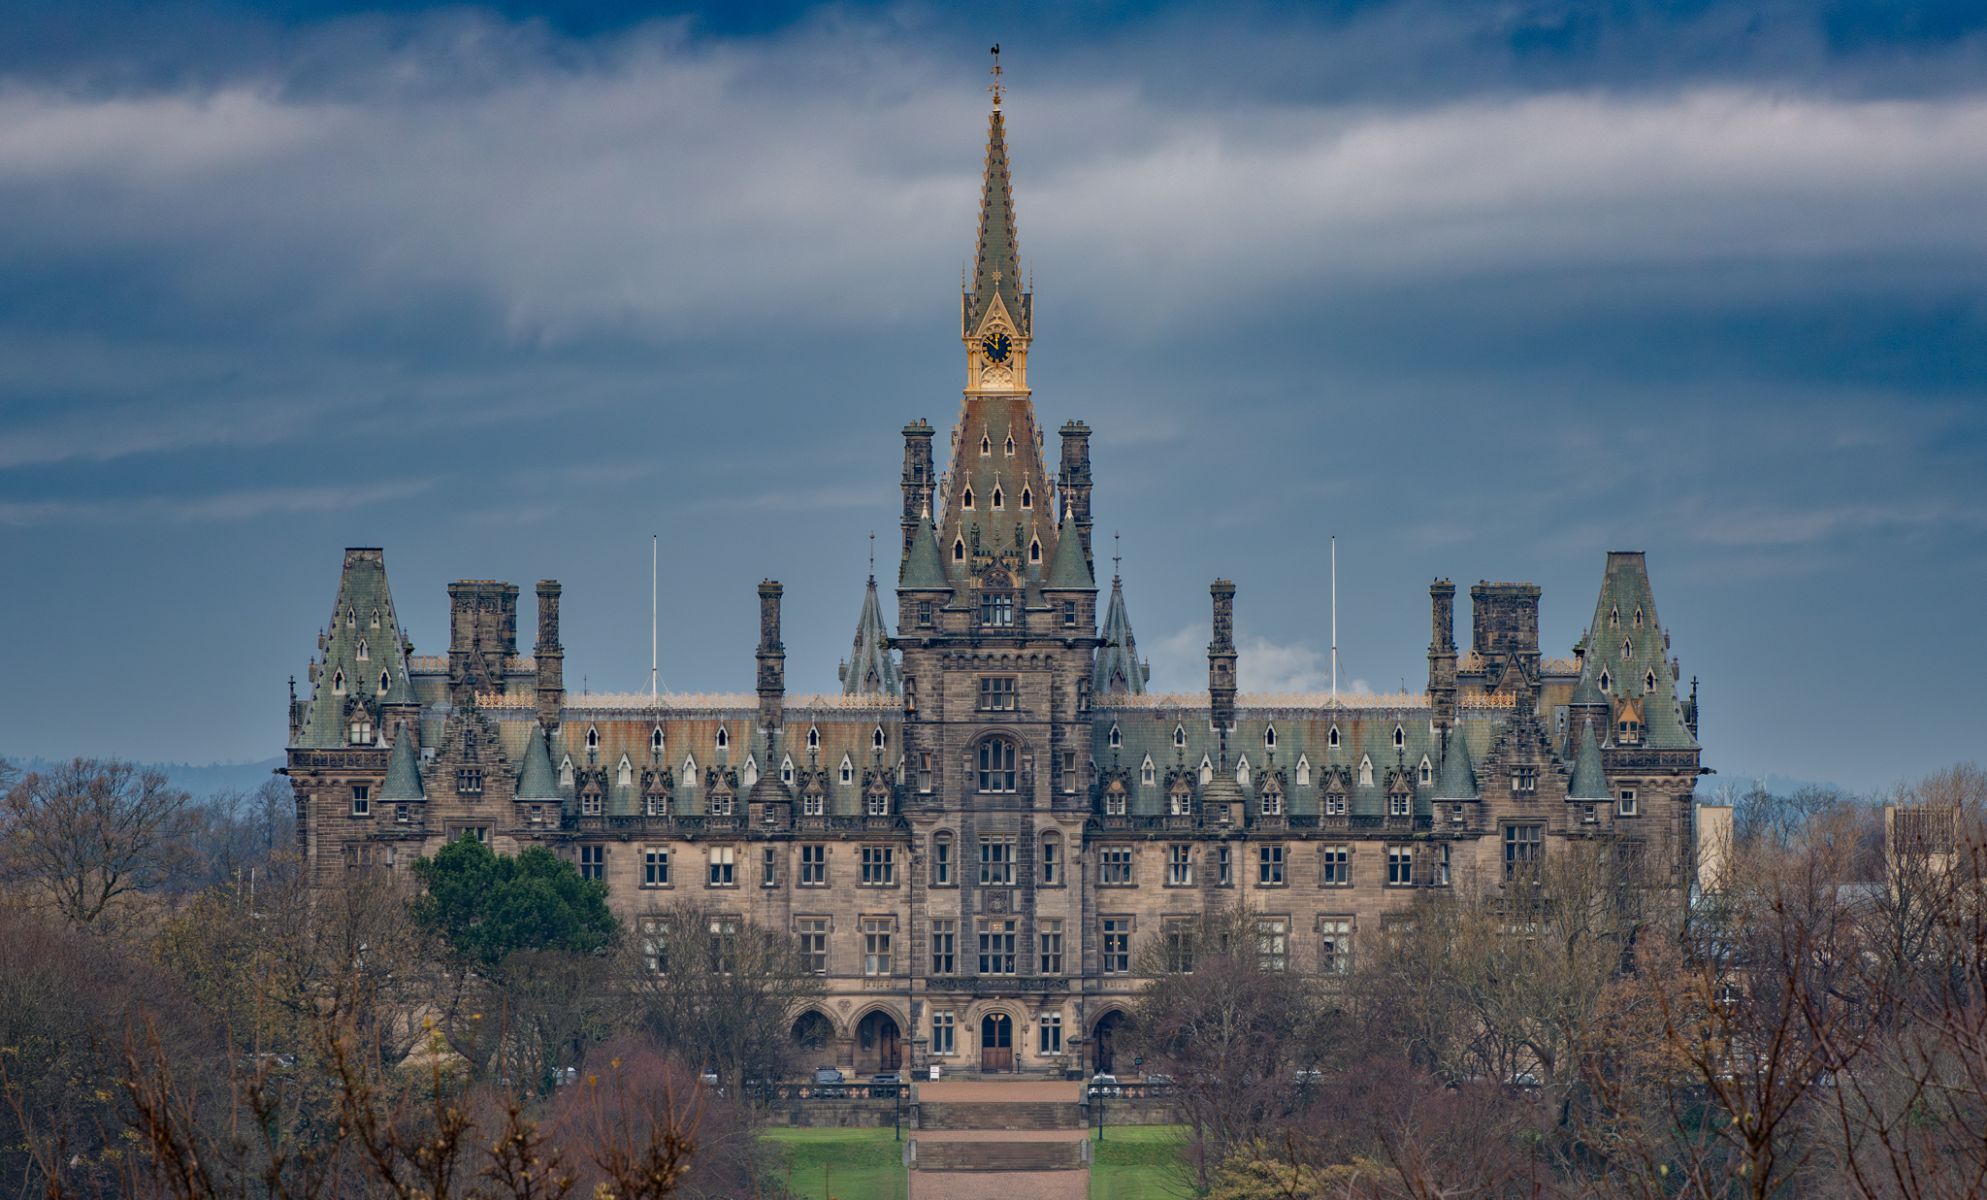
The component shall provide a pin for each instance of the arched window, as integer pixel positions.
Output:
(1365, 771)
(1427, 771)
(1147, 772)
(1304, 770)
(385, 682)
(1269, 738)
(813, 738)
(958, 549)
(365, 652)
(724, 738)
(967, 499)
(999, 497)
(1027, 498)
(592, 738)
(338, 683)
(1400, 737)
(1242, 771)
(941, 860)
(1035, 550)
(1117, 738)
(786, 770)
(1331, 739)
(655, 741)
(848, 772)
(995, 758)
(626, 773)
(1206, 770)
(747, 775)
(876, 738)
(1180, 736)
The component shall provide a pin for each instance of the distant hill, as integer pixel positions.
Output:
(201, 779)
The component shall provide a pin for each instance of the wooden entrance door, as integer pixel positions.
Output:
(996, 1042)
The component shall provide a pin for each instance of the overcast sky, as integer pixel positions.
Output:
(1485, 290)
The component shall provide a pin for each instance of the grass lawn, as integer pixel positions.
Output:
(841, 1164)
(1137, 1162)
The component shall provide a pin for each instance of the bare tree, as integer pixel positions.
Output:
(719, 991)
(86, 835)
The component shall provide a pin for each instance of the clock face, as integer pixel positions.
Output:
(997, 347)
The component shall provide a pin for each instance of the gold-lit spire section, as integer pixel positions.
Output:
(995, 311)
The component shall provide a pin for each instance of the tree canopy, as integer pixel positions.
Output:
(488, 905)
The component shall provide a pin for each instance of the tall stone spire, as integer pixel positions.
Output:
(1119, 671)
(871, 670)
(997, 254)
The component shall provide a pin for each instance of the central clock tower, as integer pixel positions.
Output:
(996, 314)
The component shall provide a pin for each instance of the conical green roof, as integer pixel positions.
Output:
(403, 772)
(362, 646)
(1071, 570)
(1590, 779)
(1118, 670)
(924, 567)
(871, 669)
(1458, 778)
(1626, 643)
(537, 782)
(996, 257)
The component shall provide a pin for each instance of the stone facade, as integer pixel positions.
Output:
(977, 839)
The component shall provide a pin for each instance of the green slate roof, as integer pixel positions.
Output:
(403, 773)
(1457, 778)
(362, 644)
(1071, 569)
(1590, 779)
(1627, 646)
(997, 256)
(537, 782)
(1118, 670)
(871, 669)
(923, 567)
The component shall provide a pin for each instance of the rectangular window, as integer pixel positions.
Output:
(362, 800)
(924, 614)
(1051, 862)
(1115, 945)
(1224, 867)
(814, 865)
(996, 863)
(813, 804)
(1049, 935)
(1180, 942)
(1179, 866)
(879, 866)
(944, 947)
(997, 608)
(996, 758)
(1524, 846)
(1069, 612)
(1399, 804)
(590, 802)
(1068, 772)
(1050, 1041)
(944, 1033)
(654, 933)
(1334, 945)
(941, 861)
(876, 945)
(593, 862)
(1442, 865)
(769, 867)
(924, 773)
(1273, 943)
(813, 944)
(997, 693)
(1334, 804)
(1114, 866)
(724, 866)
(723, 945)
(1400, 866)
(1338, 867)
(1269, 866)
(1524, 781)
(469, 782)
(1627, 807)
(655, 867)
(997, 946)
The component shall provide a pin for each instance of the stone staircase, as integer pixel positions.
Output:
(999, 1156)
(1034, 1115)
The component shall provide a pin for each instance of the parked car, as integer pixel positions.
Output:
(829, 1081)
(1105, 1085)
(1158, 1084)
(827, 1075)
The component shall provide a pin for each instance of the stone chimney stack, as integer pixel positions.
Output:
(772, 658)
(918, 480)
(1221, 656)
(550, 655)
(1442, 651)
(1073, 480)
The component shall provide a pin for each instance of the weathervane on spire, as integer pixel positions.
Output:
(872, 556)
(995, 88)
(1115, 556)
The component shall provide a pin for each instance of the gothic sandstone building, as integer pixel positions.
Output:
(975, 840)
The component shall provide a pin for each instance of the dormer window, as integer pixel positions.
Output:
(364, 651)
(1179, 736)
(1206, 770)
(1627, 648)
(385, 682)
(1400, 737)
(876, 737)
(338, 683)
(1034, 550)
(1242, 771)
(1027, 498)
(848, 771)
(1607, 681)
(786, 771)
(959, 548)
(1365, 771)
(592, 738)
(655, 741)
(375, 619)
(624, 775)
(1269, 738)
(724, 738)
(1117, 738)
(1304, 771)
(1638, 616)
(967, 499)
(351, 619)
(1010, 445)
(1614, 617)
(749, 775)
(1649, 682)
(1147, 773)
(986, 444)
(689, 768)
(1427, 771)
(999, 498)
(1331, 739)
